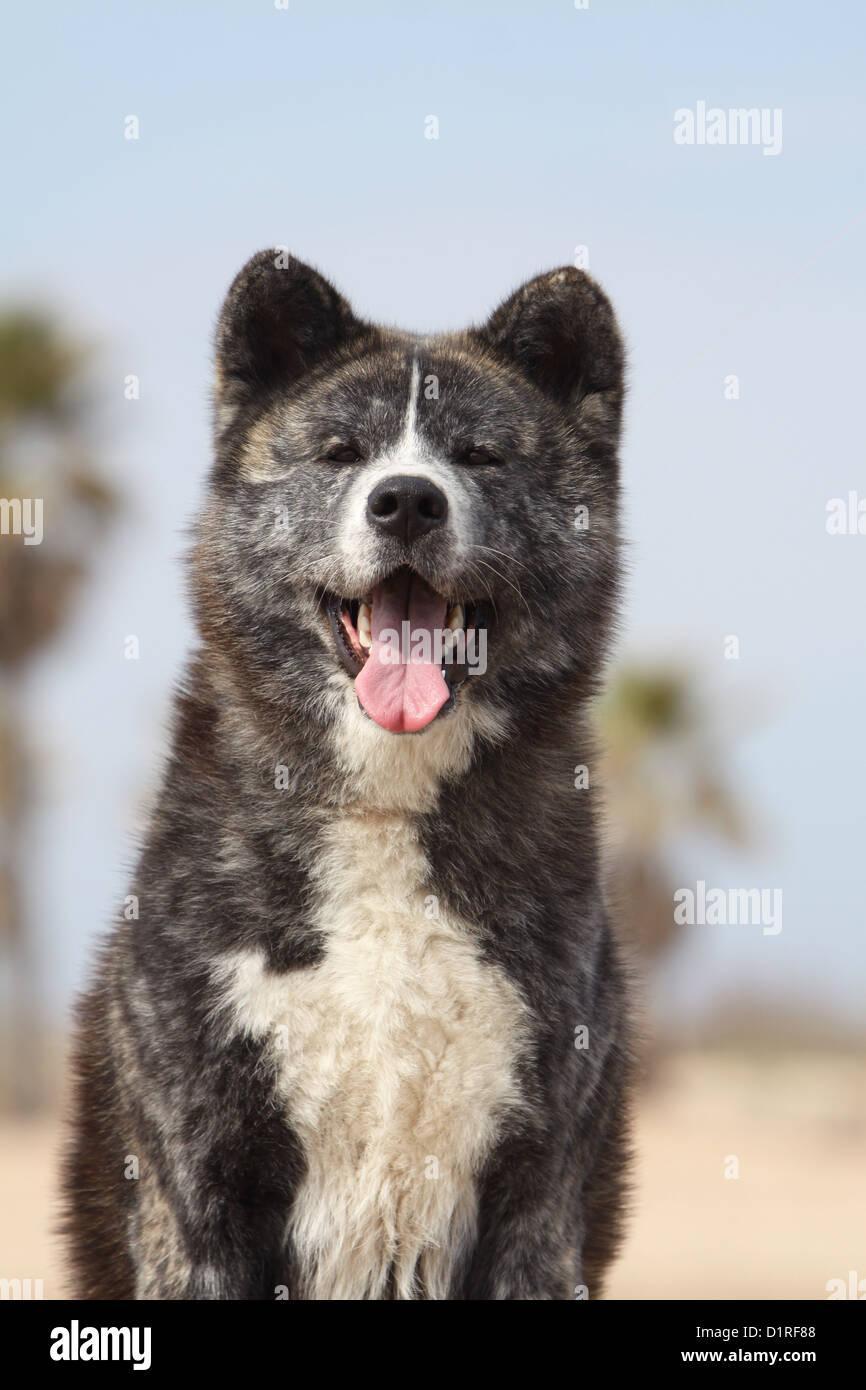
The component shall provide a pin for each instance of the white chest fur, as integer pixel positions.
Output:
(397, 1058)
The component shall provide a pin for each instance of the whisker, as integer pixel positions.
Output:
(514, 561)
(505, 580)
(504, 577)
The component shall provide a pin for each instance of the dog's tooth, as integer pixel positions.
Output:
(455, 617)
(365, 631)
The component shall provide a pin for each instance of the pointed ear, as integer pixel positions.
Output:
(280, 318)
(561, 332)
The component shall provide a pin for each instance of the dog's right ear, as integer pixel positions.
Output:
(280, 318)
(560, 331)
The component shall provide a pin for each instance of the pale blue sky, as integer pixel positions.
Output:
(306, 127)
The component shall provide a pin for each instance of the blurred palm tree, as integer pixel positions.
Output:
(664, 747)
(44, 454)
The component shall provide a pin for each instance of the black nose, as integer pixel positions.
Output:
(406, 506)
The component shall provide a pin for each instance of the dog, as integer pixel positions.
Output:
(363, 1033)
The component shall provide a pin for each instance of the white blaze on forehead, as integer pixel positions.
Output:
(412, 403)
(410, 455)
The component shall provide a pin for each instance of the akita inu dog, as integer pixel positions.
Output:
(367, 1038)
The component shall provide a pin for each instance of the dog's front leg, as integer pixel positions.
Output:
(528, 1243)
(199, 1240)
(218, 1175)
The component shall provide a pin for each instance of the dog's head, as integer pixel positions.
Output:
(420, 522)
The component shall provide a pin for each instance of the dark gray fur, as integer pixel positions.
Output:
(511, 845)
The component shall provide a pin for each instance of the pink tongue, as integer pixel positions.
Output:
(401, 685)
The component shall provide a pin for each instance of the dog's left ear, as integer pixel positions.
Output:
(280, 319)
(561, 332)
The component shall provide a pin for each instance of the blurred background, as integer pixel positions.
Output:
(428, 159)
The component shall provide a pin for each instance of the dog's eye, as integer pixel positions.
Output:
(477, 457)
(344, 453)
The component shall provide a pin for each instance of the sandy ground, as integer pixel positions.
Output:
(796, 1215)
(793, 1219)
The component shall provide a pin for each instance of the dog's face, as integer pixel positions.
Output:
(425, 521)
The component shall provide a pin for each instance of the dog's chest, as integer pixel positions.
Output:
(397, 1060)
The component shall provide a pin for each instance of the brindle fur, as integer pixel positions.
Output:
(229, 863)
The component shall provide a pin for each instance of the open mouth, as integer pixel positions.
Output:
(407, 647)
